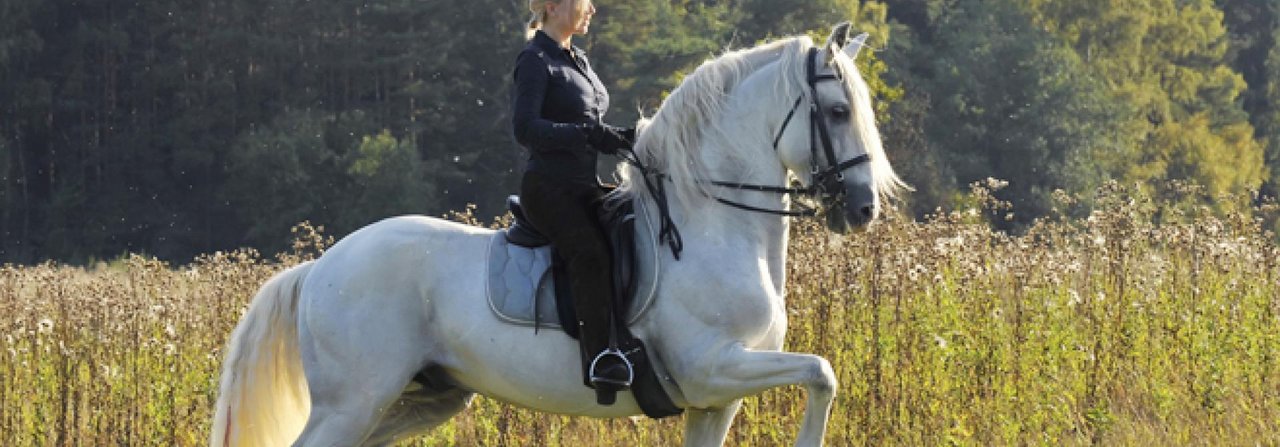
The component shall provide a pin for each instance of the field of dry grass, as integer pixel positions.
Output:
(1135, 325)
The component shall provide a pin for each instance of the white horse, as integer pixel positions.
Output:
(328, 351)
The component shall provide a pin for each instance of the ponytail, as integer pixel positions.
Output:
(539, 10)
(535, 23)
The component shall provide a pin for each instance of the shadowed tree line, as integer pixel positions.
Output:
(175, 127)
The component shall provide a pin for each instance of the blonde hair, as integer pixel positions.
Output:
(539, 10)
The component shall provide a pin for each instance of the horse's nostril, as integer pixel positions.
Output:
(868, 211)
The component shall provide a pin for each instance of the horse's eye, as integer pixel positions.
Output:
(839, 112)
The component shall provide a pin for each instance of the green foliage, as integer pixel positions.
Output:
(125, 124)
(1008, 100)
(643, 48)
(310, 165)
(389, 179)
(1057, 94)
(772, 18)
(763, 19)
(1257, 44)
(284, 173)
(1169, 60)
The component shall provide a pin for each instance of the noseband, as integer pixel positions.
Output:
(823, 183)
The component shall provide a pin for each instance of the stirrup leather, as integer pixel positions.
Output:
(612, 351)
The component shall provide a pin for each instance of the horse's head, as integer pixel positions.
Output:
(840, 156)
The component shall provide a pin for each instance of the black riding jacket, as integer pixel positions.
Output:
(555, 90)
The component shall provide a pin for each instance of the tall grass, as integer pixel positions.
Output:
(1135, 324)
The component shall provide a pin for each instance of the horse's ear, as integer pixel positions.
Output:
(839, 35)
(855, 45)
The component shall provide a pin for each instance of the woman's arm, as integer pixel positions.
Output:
(531, 129)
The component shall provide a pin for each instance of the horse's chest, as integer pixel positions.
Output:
(746, 317)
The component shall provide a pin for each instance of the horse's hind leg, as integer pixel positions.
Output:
(352, 385)
(367, 404)
(417, 412)
(347, 404)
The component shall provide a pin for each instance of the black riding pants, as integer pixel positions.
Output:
(566, 212)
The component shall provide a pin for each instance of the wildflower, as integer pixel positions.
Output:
(1075, 298)
(45, 326)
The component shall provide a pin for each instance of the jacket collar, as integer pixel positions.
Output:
(545, 43)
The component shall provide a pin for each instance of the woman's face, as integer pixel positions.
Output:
(573, 15)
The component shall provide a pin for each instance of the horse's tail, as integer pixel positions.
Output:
(262, 399)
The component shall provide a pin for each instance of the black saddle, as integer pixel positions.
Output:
(617, 217)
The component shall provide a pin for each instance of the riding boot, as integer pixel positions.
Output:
(603, 365)
(567, 214)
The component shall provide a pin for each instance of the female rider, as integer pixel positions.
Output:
(558, 110)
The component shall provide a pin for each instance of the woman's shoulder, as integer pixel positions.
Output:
(531, 56)
(532, 49)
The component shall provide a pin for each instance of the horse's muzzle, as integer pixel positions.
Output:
(860, 206)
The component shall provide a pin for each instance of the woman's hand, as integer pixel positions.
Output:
(609, 139)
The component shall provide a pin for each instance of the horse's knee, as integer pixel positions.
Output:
(823, 378)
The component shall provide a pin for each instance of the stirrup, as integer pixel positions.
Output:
(631, 372)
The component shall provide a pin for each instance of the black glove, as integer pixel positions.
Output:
(609, 139)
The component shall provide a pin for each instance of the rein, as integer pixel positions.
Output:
(824, 183)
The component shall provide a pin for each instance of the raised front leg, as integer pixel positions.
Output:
(738, 372)
(708, 427)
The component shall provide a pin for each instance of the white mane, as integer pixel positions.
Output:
(673, 140)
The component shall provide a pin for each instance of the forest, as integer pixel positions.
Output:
(174, 128)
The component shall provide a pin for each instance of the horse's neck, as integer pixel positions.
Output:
(741, 151)
(736, 235)
(746, 155)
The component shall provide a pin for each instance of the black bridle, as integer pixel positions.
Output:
(825, 184)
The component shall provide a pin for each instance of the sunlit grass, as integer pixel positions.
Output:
(1130, 326)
